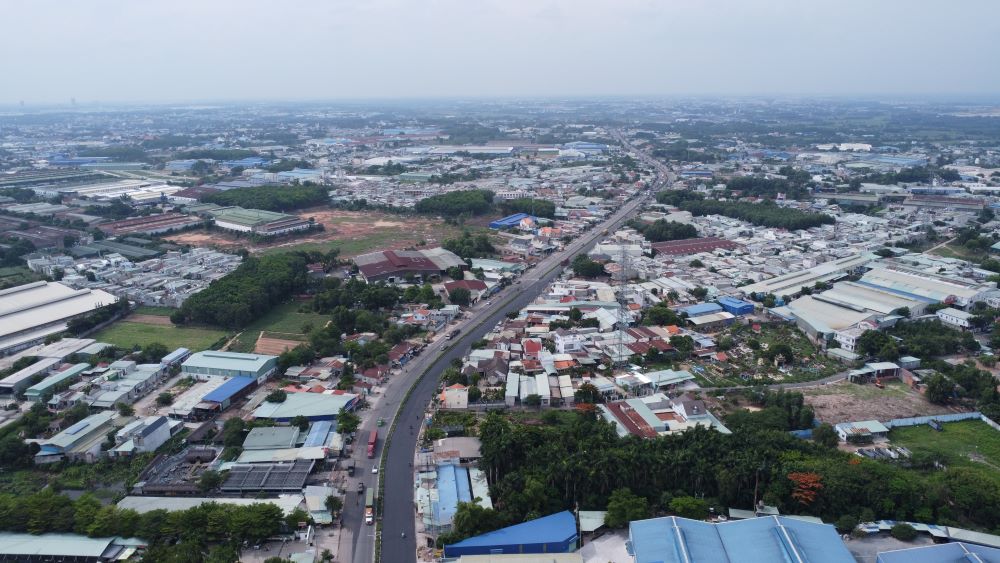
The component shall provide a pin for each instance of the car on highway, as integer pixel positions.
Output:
(374, 469)
(361, 488)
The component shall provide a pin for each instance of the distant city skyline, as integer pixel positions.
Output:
(114, 51)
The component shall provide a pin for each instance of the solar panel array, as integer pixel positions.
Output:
(273, 477)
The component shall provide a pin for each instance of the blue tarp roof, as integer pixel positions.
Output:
(318, 433)
(555, 528)
(756, 540)
(453, 488)
(942, 553)
(226, 391)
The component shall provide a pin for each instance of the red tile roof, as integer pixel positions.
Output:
(693, 246)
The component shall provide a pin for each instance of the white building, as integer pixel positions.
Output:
(956, 318)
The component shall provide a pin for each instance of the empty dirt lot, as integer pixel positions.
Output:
(846, 402)
(353, 232)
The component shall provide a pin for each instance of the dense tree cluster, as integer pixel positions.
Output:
(216, 154)
(662, 230)
(470, 246)
(584, 267)
(765, 214)
(284, 165)
(388, 169)
(578, 458)
(195, 535)
(453, 204)
(272, 198)
(531, 206)
(251, 290)
(11, 252)
(766, 187)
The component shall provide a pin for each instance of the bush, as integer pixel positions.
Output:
(903, 532)
(846, 524)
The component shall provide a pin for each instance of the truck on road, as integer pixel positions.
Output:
(372, 439)
(370, 506)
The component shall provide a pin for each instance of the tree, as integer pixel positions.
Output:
(333, 504)
(164, 399)
(584, 267)
(939, 389)
(825, 435)
(587, 393)
(689, 507)
(232, 432)
(696, 263)
(153, 352)
(276, 396)
(460, 296)
(903, 532)
(301, 422)
(124, 409)
(575, 314)
(347, 422)
(807, 486)
(846, 524)
(533, 400)
(209, 480)
(624, 507)
(699, 292)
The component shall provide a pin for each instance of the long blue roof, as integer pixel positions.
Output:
(554, 528)
(228, 389)
(755, 540)
(453, 488)
(942, 553)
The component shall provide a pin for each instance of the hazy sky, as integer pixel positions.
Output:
(181, 50)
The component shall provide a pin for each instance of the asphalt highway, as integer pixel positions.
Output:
(398, 511)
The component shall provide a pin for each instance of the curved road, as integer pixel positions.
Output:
(397, 507)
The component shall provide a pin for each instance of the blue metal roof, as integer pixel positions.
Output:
(451, 491)
(732, 301)
(942, 553)
(509, 221)
(756, 540)
(226, 391)
(176, 355)
(318, 433)
(554, 528)
(701, 309)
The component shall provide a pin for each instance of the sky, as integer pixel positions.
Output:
(216, 50)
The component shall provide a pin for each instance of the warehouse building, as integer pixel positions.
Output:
(396, 265)
(958, 552)
(258, 221)
(80, 442)
(150, 224)
(793, 282)
(229, 392)
(28, 548)
(735, 306)
(229, 364)
(55, 382)
(555, 533)
(754, 540)
(31, 312)
(313, 406)
(18, 381)
(921, 285)
(684, 247)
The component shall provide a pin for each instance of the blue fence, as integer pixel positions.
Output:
(918, 420)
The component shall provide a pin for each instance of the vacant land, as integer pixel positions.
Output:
(126, 334)
(847, 402)
(158, 320)
(157, 311)
(968, 442)
(285, 321)
(16, 275)
(352, 232)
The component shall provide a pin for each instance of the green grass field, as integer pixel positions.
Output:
(284, 318)
(17, 275)
(955, 444)
(126, 334)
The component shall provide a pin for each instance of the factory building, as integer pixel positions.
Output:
(31, 312)
(258, 221)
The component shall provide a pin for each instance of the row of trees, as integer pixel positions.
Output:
(250, 291)
(272, 198)
(662, 230)
(454, 204)
(536, 207)
(766, 187)
(207, 533)
(765, 214)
